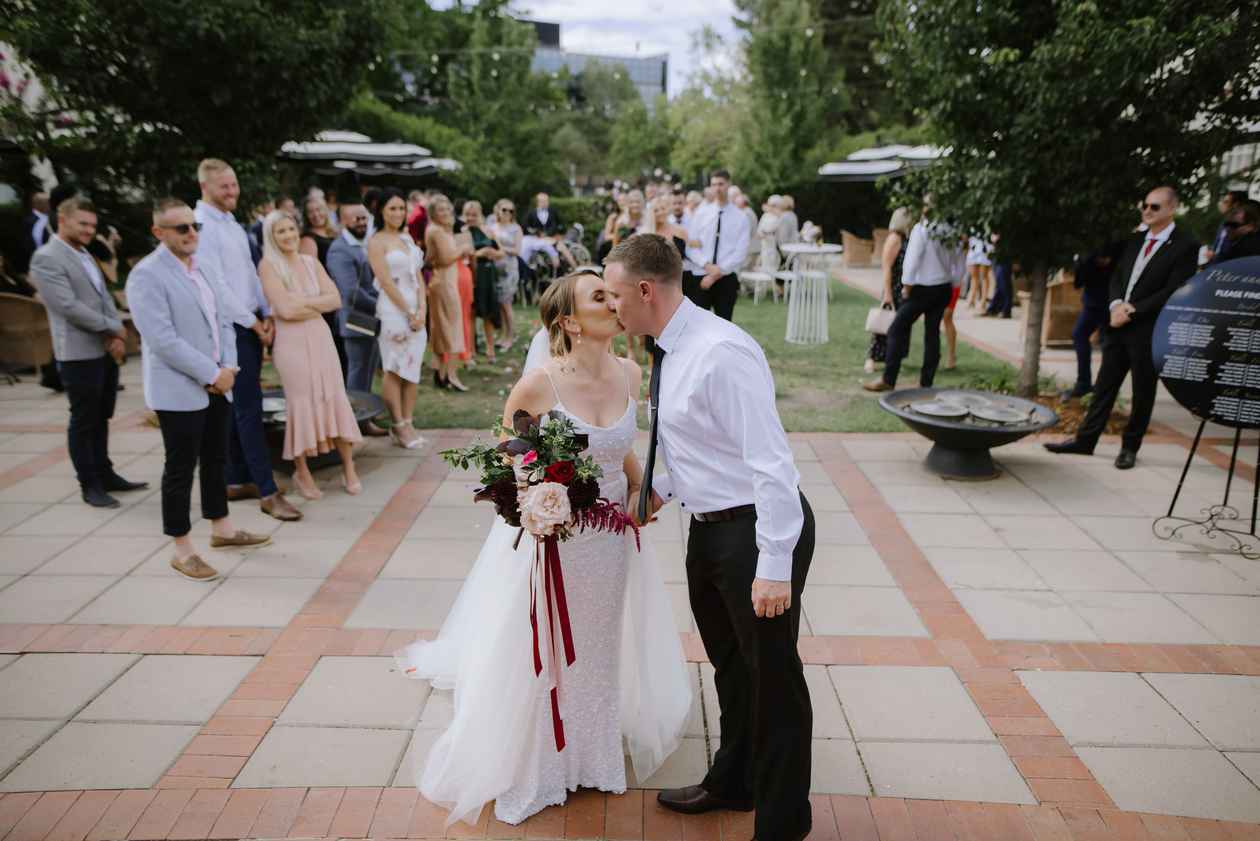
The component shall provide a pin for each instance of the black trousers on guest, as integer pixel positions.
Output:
(720, 297)
(766, 717)
(191, 438)
(1125, 350)
(92, 386)
(929, 302)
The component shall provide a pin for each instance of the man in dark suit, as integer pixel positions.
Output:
(1155, 263)
(1093, 277)
(1242, 233)
(542, 221)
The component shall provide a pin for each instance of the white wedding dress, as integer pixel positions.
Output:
(629, 678)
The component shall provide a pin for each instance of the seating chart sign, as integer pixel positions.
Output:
(1207, 344)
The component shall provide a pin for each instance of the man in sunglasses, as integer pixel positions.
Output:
(1242, 232)
(1154, 263)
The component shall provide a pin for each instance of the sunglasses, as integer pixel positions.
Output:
(1155, 206)
(510, 211)
(183, 229)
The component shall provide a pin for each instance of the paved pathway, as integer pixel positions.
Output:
(1017, 659)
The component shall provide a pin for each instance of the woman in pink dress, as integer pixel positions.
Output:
(319, 413)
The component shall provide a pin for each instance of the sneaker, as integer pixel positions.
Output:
(195, 568)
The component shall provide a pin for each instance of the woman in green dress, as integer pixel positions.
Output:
(486, 253)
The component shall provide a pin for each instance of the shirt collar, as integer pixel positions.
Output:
(214, 212)
(668, 340)
(39, 214)
(1163, 235)
(351, 238)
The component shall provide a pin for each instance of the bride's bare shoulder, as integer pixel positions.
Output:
(532, 392)
(633, 373)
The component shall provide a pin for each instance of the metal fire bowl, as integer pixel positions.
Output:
(960, 447)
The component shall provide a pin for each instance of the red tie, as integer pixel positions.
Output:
(1150, 246)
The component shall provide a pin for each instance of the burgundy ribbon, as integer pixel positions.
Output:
(557, 611)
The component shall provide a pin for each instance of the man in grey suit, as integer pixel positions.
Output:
(348, 268)
(189, 369)
(88, 344)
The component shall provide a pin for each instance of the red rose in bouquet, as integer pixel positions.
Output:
(561, 472)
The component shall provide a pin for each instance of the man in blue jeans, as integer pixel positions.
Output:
(932, 267)
(224, 257)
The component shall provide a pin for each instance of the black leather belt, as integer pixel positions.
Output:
(737, 513)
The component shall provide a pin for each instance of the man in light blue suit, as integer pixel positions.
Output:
(189, 353)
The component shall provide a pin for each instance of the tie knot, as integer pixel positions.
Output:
(658, 353)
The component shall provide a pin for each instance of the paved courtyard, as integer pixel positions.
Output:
(1020, 658)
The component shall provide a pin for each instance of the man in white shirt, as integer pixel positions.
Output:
(224, 258)
(1155, 263)
(717, 248)
(752, 534)
(933, 265)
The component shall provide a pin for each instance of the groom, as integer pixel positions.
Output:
(752, 535)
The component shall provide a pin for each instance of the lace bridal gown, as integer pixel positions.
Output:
(629, 679)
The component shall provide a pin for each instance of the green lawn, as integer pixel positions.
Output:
(819, 387)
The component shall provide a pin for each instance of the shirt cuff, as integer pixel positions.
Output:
(774, 567)
(663, 486)
(1117, 302)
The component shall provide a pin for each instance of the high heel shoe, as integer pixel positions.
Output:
(353, 488)
(455, 386)
(438, 380)
(313, 492)
(413, 444)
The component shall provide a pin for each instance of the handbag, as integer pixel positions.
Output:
(878, 320)
(357, 321)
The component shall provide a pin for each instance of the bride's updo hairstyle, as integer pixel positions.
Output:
(558, 301)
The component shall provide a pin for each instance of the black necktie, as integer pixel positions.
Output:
(717, 237)
(654, 400)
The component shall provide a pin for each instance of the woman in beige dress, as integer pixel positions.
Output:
(320, 416)
(446, 316)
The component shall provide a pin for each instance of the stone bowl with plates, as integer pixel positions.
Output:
(963, 425)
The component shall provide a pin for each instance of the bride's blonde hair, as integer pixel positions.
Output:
(557, 301)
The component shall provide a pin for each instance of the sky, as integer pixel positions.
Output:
(646, 27)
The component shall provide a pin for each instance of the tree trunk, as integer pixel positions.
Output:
(1030, 370)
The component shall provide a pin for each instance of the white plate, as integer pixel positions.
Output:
(939, 409)
(273, 404)
(962, 398)
(1000, 414)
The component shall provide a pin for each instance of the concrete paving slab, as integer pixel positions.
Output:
(20, 555)
(145, 600)
(1109, 709)
(943, 771)
(1189, 572)
(956, 530)
(838, 527)
(19, 519)
(49, 599)
(925, 499)
(296, 757)
(1169, 781)
(983, 569)
(463, 522)
(1234, 619)
(1024, 615)
(883, 473)
(405, 603)
(451, 559)
(908, 703)
(829, 720)
(1248, 763)
(100, 555)
(1022, 531)
(1224, 708)
(253, 602)
(823, 496)
(294, 557)
(46, 489)
(55, 686)
(170, 689)
(19, 738)
(880, 611)
(1133, 534)
(357, 692)
(1004, 496)
(1138, 617)
(836, 769)
(412, 764)
(101, 756)
(1083, 570)
(684, 767)
(439, 710)
(852, 566)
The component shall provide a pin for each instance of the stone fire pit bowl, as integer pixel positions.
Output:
(952, 419)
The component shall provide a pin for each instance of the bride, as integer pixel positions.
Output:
(629, 679)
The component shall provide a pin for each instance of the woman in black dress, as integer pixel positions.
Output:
(486, 253)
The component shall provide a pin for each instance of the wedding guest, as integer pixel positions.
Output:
(893, 259)
(979, 272)
(1242, 232)
(287, 204)
(932, 269)
(12, 283)
(679, 214)
(349, 269)
(1221, 243)
(1093, 278)
(693, 201)
(320, 416)
(789, 225)
(318, 235)
(396, 264)
(89, 343)
(189, 363)
(224, 259)
(508, 234)
(720, 231)
(485, 254)
(36, 227)
(445, 306)
(417, 213)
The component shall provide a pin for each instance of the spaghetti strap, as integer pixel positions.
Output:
(630, 395)
(554, 390)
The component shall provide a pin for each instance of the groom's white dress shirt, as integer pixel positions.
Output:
(719, 433)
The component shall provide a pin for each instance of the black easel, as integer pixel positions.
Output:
(1214, 515)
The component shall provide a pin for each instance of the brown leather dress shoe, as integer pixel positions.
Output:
(195, 568)
(241, 538)
(280, 508)
(877, 385)
(238, 492)
(371, 430)
(693, 800)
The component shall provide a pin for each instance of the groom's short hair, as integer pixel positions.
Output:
(649, 256)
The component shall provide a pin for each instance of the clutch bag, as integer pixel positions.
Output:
(878, 320)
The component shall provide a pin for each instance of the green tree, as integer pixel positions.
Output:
(1061, 114)
(641, 139)
(138, 92)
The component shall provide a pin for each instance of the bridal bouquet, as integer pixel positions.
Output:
(539, 482)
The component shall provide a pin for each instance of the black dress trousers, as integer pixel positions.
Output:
(766, 718)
